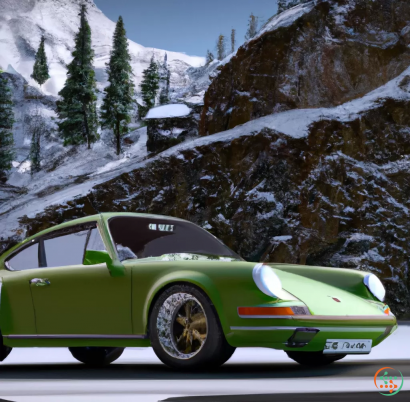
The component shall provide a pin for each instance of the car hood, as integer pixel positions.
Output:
(324, 299)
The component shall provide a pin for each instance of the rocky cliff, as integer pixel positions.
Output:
(318, 54)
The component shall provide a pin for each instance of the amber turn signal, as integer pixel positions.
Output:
(264, 311)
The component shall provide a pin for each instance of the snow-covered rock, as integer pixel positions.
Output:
(169, 125)
(287, 17)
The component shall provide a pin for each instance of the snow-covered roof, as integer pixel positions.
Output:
(168, 111)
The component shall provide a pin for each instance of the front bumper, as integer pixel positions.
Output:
(275, 333)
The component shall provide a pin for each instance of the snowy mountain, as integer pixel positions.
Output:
(23, 22)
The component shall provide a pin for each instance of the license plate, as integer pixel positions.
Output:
(348, 346)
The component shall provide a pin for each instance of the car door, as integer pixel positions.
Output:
(17, 313)
(75, 294)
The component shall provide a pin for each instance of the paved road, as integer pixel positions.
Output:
(254, 375)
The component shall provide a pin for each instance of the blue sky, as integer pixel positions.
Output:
(189, 26)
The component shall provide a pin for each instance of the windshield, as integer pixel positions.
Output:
(155, 237)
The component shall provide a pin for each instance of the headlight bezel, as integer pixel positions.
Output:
(375, 287)
(267, 281)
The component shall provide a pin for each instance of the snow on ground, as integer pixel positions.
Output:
(197, 99)
(96, 163)
(167, 111)
(294, 123)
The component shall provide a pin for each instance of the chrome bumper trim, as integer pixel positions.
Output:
(321, 329)
(266, 316)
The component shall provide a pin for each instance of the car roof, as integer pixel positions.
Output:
(93, 218)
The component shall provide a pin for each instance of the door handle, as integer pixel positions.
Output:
(40, 282)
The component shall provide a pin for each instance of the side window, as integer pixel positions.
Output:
(66, 250)
(25, 259)
(95, 243)
(96, 252)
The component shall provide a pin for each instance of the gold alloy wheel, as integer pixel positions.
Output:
(182, 326)
(191, 332)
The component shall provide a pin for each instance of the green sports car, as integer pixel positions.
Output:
(99, 284)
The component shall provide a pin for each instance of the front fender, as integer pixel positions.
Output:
(198, 279)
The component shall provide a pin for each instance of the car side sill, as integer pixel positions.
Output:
(322, 329)
(76, 336)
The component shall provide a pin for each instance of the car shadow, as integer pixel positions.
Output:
(301, 397)
(122, 371)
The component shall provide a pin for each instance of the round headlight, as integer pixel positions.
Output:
(375, 286)
(266, 280)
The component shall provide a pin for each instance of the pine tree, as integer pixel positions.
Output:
(282, 5)
(209, 57)
(40, 69)
(252, 27)
(165, 81)
(118, 102)
(77, 108)
(36, 127)
(233, 40)
(221, 47)
(150, 85)
(6, 127)
(35, 153)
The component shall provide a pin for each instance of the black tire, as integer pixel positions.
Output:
(185, 331)
(4, 350)
(96, 356)
(313, 358)
(225, 353)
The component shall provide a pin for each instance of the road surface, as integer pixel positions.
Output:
(252, 375)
